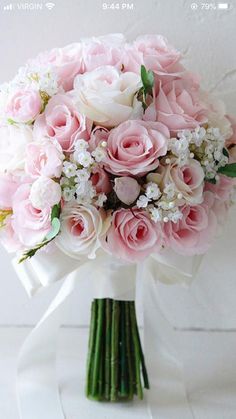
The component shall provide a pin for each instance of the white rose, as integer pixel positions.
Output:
(81, 228)
(45, 192)
(13, 142)
(106, 96)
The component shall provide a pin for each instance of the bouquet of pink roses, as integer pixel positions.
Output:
(109, 146)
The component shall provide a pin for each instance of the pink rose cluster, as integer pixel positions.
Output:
(112, 145)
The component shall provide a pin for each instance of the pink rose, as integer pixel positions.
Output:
(81, 229)
(100, 180)
(127, 189)
(232, 154)
(103, 50)
(61, 121)
(132, 59)
(192, 234)
(98, 135)
(8, 237)
(24, 105)
(178, 106)
(44, 159)
(132, 235)
(31, 225)
(217, 117)
(66, 62)
(133, 148)
(13, 142)
(188, 180)
(232, 140)
(221, 209)
(222, 189)
(158, 54)
(8, 186)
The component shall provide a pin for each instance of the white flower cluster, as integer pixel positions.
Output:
(162, 205)
(205, 145)
(76, 182)
(40, 78)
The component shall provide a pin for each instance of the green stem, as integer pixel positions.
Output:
(98, 348)
(128, 351)
(123, 357)
(91, 345)
(114, 349)
(108, 350)
(136, 350)
(100, 375)
(115, 358)
(142, 359)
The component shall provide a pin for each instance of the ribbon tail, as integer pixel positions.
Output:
(37, 387)
(167, 397)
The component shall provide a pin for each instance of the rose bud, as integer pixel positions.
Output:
(127, 189)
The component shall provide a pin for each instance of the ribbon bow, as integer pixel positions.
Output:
(38, 391)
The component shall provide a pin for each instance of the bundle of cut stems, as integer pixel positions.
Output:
(116, 368)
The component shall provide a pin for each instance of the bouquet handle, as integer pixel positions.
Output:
(37, 386)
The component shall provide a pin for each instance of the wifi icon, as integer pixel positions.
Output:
(49, 5)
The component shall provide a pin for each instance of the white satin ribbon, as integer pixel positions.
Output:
(38, 394)
(167, 396)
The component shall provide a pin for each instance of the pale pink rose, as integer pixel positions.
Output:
(44, 192)
(81, 229)
(8, 186)
(98, 135)
(66, 62)
(194, 233)
(100, 180)
(223, 187)
(132, 59)
(8, 237)
(188, 180)
(106, 96)
(103, 50)
(127, 189)
(44, 158)
(62, 121)
(221, 210)
(232, 154)
(30, 224)
(132, 235)
(14, 139)
(133, 148)
(217, 117)
(232, 140)
(158, 54)
(23, 105)
(178, 106)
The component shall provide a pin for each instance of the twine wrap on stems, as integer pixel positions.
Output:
(115, 358)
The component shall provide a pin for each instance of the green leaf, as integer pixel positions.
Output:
(228, 170)
(147, 77)
(11, 121)
(55, 229)
(56, 209)
(213, 181)
(31, 252)
(50, 236)
(225, 152)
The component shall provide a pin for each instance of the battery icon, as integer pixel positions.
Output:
(223, 6)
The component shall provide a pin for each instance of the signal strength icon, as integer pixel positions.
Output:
(50, 5)
(8, 7)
